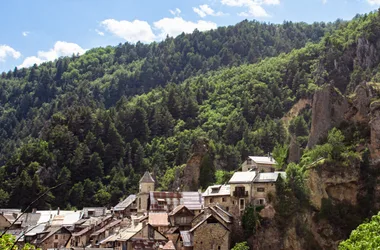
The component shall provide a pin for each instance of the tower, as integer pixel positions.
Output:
(146, 185)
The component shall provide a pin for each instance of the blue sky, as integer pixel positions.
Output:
(41, 30)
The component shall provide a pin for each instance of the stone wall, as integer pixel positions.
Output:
(56, 240)
(211, 236)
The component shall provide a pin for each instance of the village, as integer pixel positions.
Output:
(153, 219)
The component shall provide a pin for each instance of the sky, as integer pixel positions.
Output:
(42, 30)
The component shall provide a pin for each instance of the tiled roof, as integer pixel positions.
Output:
(158, 219)
(263, 160)
(30, 219)
(193, 200)
(147, 178)
(106, 227)
(217, 190)
(210, 216)
(242, 177)
(179, 208)
(125, 203)
(269, 177)
(167, 201)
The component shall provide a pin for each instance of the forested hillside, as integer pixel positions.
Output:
(96, 122)
(79, 122)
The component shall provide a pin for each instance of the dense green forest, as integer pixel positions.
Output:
(94, 123)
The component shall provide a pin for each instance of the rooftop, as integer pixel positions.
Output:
(269, 177)
(242, 177)
(125, 203)
(217, 190)
(158, 219)
(147, 178)
(263, 159)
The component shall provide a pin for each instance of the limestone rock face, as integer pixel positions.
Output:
(294, 150)
(339, 183)
(328, 110)
(375, 132)
(361, 103)
(190, 180)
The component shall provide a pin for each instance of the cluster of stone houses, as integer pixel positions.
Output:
(153, 219)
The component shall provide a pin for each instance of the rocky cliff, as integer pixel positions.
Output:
(340, 195)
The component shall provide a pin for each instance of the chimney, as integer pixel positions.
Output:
(58, 210)
(34, 210)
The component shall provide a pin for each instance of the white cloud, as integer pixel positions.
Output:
(30, 61)
(324, 1)
(60, 49)
(25, 33)
(7, 51)
(205, 10)
(374, 2)
(175, 26)
(100, 33)
(130, 31)
(175, 12)
(254, 7)
(254, 10)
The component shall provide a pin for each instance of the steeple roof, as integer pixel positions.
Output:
(147, 178)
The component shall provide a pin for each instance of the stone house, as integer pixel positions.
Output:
(104, 232)
(241, 191)
(136, 237)
(126, 207)
(210, 233)
(218, 194)
(147, 238)
(264, 187)
(259, 163)
(53, 237)
(7, 221)
(181, 217)
(85, 227)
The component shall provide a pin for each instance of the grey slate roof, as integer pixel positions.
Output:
(147, 178)
(242, 177)
(217, 190)
(269, 177)
(125, 203)
(263, 159)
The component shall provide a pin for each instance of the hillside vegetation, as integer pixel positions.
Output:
(95, 123)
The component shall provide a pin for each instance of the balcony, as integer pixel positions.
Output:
(240, 193)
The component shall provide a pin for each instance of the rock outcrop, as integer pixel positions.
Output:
(339, 183)
(190, 179)
(328, 110)
(375, 132)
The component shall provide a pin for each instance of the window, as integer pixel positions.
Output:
(227, 209)
(233, 202)
(218, 247)
(272, 169)
(260, 189)
(139, 203)
(242, 204)
(261, 201)
(56, 236)
(55, 244)
(211, 200)
(223, 199)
